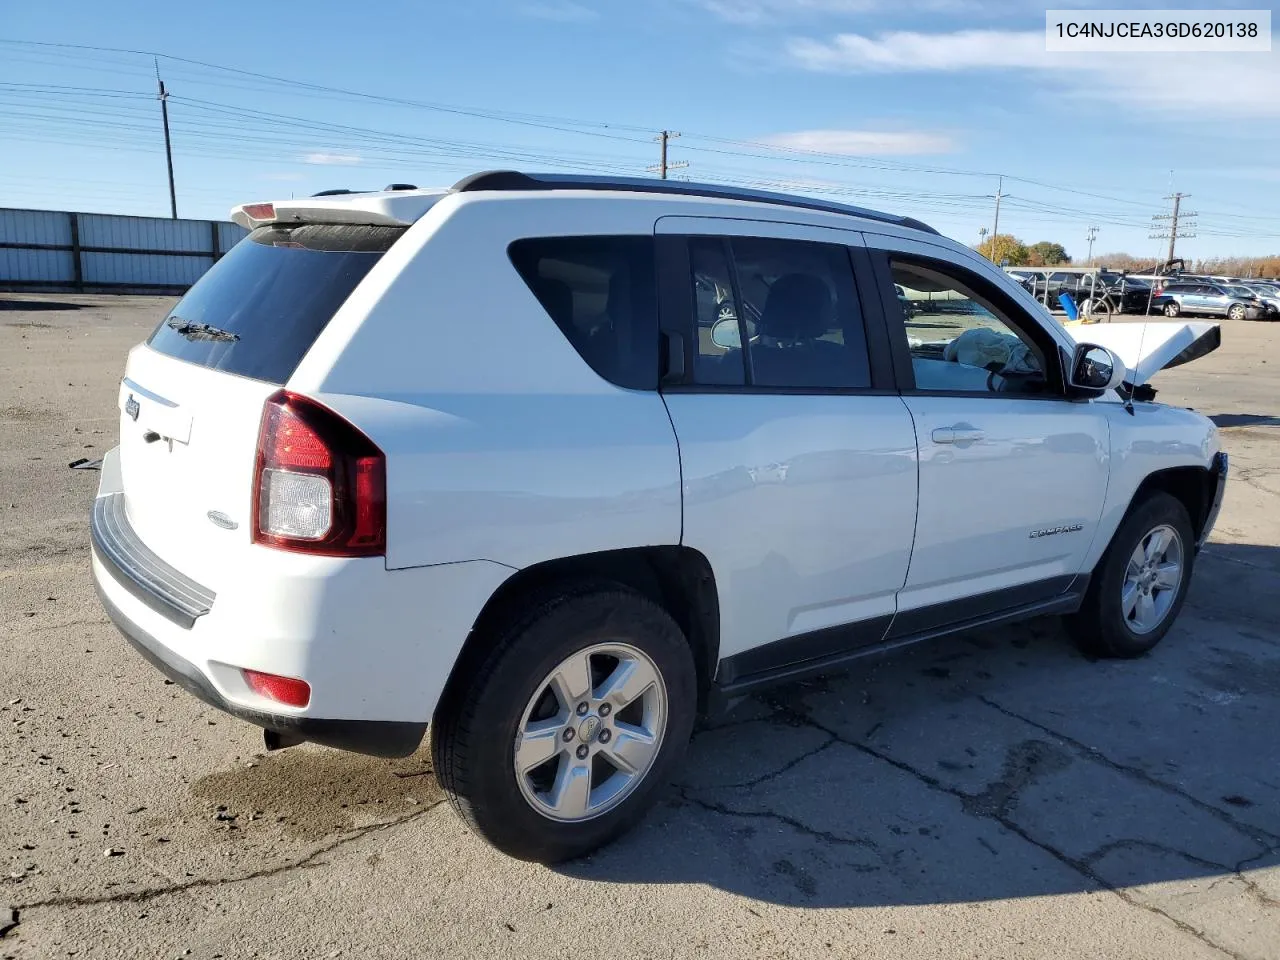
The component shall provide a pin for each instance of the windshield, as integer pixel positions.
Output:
(1240, 291)
(259, 309)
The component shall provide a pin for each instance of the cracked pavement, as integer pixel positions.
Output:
(994, 795)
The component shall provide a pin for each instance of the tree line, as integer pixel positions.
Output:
(1006, 248)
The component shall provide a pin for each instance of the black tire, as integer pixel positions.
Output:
(1100, 627)
(1172, 309)
(1235, 312)
(474, 730)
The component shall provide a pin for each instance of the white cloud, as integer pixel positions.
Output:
(1241, 84)
(770, 11)
(863, 142)
(332, 159)
(759, 12)
(906, 52)
(560, 11)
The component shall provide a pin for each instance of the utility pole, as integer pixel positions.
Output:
(1093, 235)
(663, 165)
(163, 96)
(1172, 231)
(995, 227)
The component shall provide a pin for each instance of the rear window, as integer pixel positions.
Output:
(261, 307)
(600, 292)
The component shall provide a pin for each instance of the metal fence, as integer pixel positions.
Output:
(54, 250)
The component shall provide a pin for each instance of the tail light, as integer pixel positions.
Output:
(320, 484)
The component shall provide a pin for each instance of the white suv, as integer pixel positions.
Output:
(553, 465)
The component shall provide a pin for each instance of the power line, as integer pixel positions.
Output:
(595, 128)
(243, 133)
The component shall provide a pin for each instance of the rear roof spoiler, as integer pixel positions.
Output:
(397, 207)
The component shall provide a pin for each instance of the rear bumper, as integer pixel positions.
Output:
(375, 645)
(164, 589)
(381, 738)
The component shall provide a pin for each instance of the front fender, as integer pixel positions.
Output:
(1154, 438)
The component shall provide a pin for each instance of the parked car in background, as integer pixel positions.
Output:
(1211, 299)
(904, 301)
(1269, 295)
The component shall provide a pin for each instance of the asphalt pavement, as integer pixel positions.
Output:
(994, 795)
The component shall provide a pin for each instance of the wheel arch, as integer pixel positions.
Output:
(1193, 486)
(677, 578)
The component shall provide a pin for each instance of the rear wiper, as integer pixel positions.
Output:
(200, 331)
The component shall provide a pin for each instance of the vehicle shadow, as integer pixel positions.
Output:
(34, 306)
(998, 764)
(1245, 420)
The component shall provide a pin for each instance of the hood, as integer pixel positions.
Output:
(1148, 348)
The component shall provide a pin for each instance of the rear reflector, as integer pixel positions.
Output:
(286, 690)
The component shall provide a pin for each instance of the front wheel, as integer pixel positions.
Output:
(1235, 312)
(555, 745)
(1141, 582)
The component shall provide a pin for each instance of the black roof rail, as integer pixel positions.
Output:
(332, 193)
(515, 180)
(390, 187)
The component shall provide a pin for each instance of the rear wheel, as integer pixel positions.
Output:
(1172, 309)
(1141, 582)
(1236, 311)
(555, 745)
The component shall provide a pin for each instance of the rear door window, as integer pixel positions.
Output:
(808, 324)
(600, 291)
(774, 313)
(259, 309)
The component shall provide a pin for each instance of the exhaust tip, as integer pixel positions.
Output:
(274, 740)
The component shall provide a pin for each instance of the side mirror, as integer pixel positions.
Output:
(1096, 369)
(726, 335)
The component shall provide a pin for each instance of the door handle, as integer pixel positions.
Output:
(960, 433)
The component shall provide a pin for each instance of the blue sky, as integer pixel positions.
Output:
(911, 106)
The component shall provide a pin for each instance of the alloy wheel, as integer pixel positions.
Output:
(591, 732)
(1152, 579)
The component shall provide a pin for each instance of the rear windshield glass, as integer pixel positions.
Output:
(262, 306)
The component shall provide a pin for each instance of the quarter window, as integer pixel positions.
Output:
(600, 293)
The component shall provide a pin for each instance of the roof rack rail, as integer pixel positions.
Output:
(332, 193)
(515, 180)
